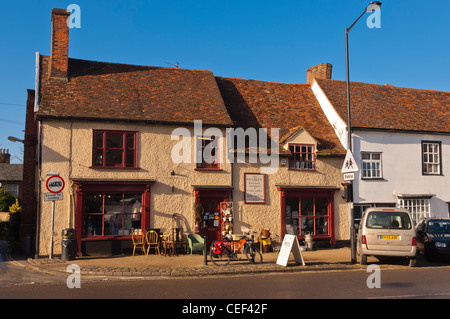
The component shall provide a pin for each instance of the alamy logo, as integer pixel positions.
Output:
(74, 279)
(374, 280)
(374, 20)
(209, 148)
(74, 20)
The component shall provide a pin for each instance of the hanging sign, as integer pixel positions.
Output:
(290, 244)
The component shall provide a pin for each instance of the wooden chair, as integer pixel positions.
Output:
(138, 238)
(168, 246)
(153, 241)
(179, 240)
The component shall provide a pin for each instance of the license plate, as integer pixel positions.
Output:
(387, 237)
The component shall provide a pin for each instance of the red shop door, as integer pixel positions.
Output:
(211, 224)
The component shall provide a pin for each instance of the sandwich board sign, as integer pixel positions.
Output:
(290, 244)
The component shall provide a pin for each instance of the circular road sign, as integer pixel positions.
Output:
(55, 184)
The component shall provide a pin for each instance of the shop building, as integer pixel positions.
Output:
(401, 143)
(147, 148)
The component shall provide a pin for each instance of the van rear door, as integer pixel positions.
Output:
(389, 230)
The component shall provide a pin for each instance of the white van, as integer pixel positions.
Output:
(387, 231)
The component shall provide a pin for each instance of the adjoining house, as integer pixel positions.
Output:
(144, 147)
(10, 174)
(401, 142)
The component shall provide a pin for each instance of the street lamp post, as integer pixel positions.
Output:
(374, 5)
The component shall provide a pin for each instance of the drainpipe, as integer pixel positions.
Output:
(39, 150)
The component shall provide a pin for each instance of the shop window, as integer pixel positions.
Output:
(302, 157)
(418, 207)
(112, 214)
(207, 150)
(115, 149)
(307, 215)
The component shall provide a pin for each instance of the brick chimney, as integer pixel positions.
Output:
(5, 157)
(319, 71)
(59, 59)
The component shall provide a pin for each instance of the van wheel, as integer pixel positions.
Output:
(363, 259)
(412, 262)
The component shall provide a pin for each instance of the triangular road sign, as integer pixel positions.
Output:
(349, 163)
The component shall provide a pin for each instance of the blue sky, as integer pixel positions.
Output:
(262, 40)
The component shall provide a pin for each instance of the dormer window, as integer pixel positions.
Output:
(302, 157)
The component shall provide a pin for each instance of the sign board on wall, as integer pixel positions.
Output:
(254, 188)
(290, 244)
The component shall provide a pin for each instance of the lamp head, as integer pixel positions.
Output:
(374, 5)
(15, 139)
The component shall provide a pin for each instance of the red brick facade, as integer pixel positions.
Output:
(319, 71)
(60, 43)
(29, 198)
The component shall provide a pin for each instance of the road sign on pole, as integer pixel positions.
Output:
(349, 176)
(349, 163)
(55, 184)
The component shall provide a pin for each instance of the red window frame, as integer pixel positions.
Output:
(118, 187)
(208, 144)
(101, 147)
(306, 159)
(288, 192)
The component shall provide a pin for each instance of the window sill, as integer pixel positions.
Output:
(208, 169)
(114, 167)
(372, 179)
(302, 169)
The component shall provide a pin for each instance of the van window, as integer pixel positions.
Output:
(391, 220)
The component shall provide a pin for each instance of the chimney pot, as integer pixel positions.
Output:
(5, 157)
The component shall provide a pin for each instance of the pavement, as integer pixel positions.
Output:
(182, 265)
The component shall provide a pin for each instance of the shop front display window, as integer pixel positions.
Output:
(112, 214)
(307, 215)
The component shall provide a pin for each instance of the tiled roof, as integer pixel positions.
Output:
(11, 172)
(112, 91)
(388, 107)
(285, 106)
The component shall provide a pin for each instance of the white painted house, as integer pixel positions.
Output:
(401, 143)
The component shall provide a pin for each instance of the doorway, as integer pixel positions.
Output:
(211, 222)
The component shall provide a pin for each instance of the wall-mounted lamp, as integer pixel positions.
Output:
(15, 139)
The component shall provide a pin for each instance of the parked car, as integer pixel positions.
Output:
(433, 237)
(387, 231)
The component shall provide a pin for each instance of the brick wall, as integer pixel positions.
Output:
(29, 208)
(60, 43)
(319, 71)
